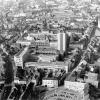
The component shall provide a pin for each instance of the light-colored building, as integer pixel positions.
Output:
(64, 94)
(62, 42)
(38, 36)
(77, 86)
(54, 44)
(49, 51)
(19, 82)
(92, 78)
(50, 82)
(99, 22)
(18, 58)
(81, 88)
(24, 42)
(47, 58)
(48, 65)
(41, 43)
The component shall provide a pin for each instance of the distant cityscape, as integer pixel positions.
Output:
(49, 49)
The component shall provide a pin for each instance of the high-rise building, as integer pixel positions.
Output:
(62, 42)
(98, 21)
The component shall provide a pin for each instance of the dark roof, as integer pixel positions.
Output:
(20, 52)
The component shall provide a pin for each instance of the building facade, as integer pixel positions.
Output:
(50, 82)
(18, 58)
(62, 42)
(99, 22)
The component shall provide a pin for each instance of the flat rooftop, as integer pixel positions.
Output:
(47, 64)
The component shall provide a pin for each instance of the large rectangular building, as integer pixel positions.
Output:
(48, 65)
(62, 42)
(18, 58)
(99, 22)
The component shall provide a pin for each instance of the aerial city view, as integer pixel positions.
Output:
(49, 49)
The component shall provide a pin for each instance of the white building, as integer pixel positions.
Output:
(99, 22)
(50, 82)
(18, 58)
(54, 44)
(47, 58)
(48, 65)
(26, 42)
(62, 42)
(77, 86)
(64, 94)
(92, 78)
(81, 88)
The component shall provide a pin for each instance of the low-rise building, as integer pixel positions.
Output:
(54, 44)
(40, 43)
(49, 51)
(18, 58)
(50, 82)
(24, 42)
(64, 94)
(81, 88)
(48, 65)
(92, 78)
(47, 58)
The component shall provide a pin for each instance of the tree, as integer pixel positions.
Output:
(9, 72)
(1, 68)
(20, 73)
(30, 58)
(9, 77)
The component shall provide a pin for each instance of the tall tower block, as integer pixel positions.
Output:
(62, 42)
(98, 21)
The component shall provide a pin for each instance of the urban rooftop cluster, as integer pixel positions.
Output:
(50, 49)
